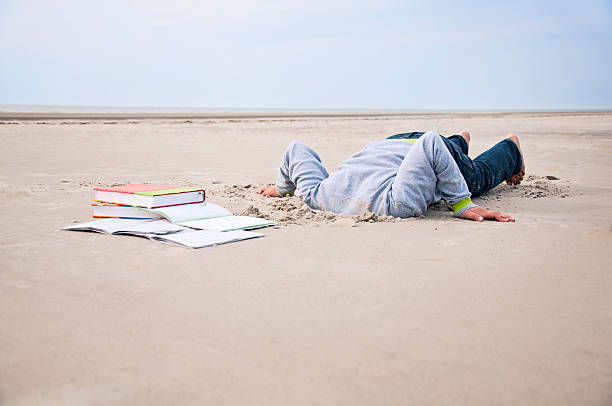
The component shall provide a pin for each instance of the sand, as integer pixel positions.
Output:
(326, 309)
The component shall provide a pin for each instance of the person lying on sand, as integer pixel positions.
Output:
(401, 175)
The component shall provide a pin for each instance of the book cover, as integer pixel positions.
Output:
(137, 188)
(149, 196)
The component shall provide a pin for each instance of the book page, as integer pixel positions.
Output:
(204, 238)
(128, 226)
(107, 226)
(228, 223)
(151, 227)
(194, 211)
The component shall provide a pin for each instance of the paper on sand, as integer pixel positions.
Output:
(204, 238)
(228, 223)
(127, 226)
(163, 231)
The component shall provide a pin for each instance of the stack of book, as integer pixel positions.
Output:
(132, 201)
(167, 214)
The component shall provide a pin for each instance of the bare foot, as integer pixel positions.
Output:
(480, 213)
(517, 178)
(466, 135)
(269, 191)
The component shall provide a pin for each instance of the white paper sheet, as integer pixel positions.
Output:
(152, 227)
(204, 238)
(107, 226)
(228, 223)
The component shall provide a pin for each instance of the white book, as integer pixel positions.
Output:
(209, 216)
(128, 226)
(204, 238)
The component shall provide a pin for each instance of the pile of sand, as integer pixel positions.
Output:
(533, 186)
(244, 200)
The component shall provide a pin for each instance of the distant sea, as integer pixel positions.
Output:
(24, 111)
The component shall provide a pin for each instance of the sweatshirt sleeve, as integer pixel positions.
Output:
(461, 206)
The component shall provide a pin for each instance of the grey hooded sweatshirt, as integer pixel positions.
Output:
(393, 177)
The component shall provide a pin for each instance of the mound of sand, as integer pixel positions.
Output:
(533, 186)
(244, 200)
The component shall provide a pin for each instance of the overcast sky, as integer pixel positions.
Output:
(307, 54)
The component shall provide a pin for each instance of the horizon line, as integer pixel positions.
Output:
(43, 111)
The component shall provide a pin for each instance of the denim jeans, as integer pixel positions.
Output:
(486, 171)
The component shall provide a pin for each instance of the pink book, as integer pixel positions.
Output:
(149, 196)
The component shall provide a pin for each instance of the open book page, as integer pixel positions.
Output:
(204, 238)
(152, 227)
(195, 211)
(107, 226)
(228, 223)
(127, 226)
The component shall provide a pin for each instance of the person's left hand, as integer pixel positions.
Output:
(480, 213)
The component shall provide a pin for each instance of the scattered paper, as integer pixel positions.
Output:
(228, 223)
(204, 238)
(127, 226)
(215, 225)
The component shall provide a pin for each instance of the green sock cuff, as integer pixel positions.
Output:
(462, 205)
(283, 194)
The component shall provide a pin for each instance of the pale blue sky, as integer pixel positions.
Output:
(307, 54)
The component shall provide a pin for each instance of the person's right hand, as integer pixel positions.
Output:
(480, 213)
(269, 191)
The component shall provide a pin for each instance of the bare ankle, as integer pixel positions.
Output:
(514, 138)
(518, 177)
(466, 135)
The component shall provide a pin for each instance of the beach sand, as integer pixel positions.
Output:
(325, 309)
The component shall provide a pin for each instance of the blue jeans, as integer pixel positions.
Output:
(488, 170)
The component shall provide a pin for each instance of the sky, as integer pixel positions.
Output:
(307, 54)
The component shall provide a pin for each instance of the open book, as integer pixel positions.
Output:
(163, 231)
(209, 216)
(128, 226)
(205, 238)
